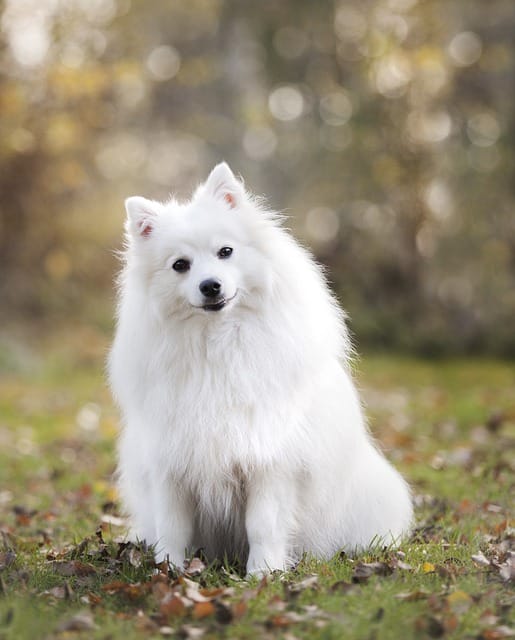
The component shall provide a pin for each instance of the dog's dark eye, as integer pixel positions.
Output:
(224, 252)
(181, 265)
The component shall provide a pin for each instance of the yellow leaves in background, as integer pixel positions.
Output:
(197, 70)
(62, 134)
(84, 82)
(58, 264)
(12, 100)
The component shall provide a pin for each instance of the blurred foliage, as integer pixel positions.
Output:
(385, 128)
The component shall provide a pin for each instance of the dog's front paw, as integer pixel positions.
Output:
(174, 561)
(260, 565)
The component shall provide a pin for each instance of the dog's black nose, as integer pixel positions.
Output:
(210, 288)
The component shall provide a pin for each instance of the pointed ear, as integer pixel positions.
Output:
(141, 215)
(223, 184)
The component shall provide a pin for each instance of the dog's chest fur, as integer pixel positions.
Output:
(218, 407)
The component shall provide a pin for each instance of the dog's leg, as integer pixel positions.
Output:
(269, 520)
(174, 522)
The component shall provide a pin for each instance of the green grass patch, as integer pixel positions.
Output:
(65, 571)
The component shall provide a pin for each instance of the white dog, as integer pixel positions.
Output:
(242, 430)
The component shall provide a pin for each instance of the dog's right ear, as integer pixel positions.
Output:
(141, 215)
(223, 184)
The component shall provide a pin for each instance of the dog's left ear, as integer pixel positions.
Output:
(223, 184)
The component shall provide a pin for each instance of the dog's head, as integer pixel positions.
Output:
(203, 256)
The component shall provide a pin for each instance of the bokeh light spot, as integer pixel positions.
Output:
(163, 62)
(322, 225)
(336, 108)
(286, 103)
(483, 129)
(465, 49)
(259, 142)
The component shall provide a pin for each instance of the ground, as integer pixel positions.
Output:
(65, 571)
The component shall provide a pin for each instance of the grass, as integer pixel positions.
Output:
(64, 572)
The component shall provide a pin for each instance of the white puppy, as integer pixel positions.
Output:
(242, 430)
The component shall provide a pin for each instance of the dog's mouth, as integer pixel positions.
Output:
(218, 304)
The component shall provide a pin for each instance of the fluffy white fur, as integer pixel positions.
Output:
(242, 432)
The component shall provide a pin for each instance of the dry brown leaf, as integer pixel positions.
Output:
(173, 605)
(6, 559)
(144, 623)
(430, 625)
(497, 633)
(224, 614)
(114, 521)
(479, 558)
(203, 609)
(73, 568)
(459, 601)
(412, 596)
(195, 595)
(91, 599)
(62, 592)
(215, 592)
(342, 586)
(284, 620)
(239, 609)
(194, 567)
(507, 568)
(79, 622)
(132, 590)
(294, 588)
(364, 570)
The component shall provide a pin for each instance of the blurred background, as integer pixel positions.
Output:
(385, 129)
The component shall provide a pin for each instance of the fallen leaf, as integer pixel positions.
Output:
(144, 623)
(459, 601)
(73, 568)
(495, 421)
(114, 521)
(507, 568)
(91, 599)
(342, 586)
(294, 588)
(276, 603)
(216, 592)
(172, 605)
(364, 570)
(497, 633)
(283, 620)
(194, 567)
(135, 557)
(23, 515)
(79, 622)
(133, 590)
(195, 595)
(430, 625)
(203, 609)
(239, 609)
(224, 614)
(488, 618)
(6, 559)
(190, 632)
(412, 596)
(479, 558)
(63, 592)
